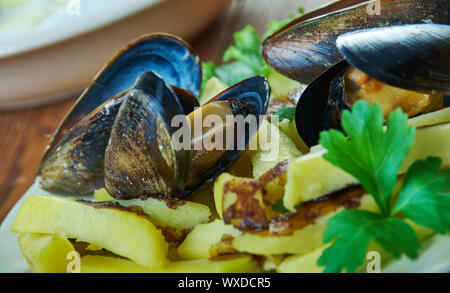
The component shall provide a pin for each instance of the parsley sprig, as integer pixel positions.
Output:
(373, 156)
(244, 59)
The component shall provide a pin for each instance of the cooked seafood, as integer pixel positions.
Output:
(306, 47)
(126, 142)
(399, 64)
(422, 74)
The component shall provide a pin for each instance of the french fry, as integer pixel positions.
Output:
(311, 176)
(218, 191)
(301, 235)
(174, 217)
(268, 188)
(101, 195)
(281, 85)
(307, 263)
(302, 263)
(118, 229)
(234, 264)
(46, 253)
(212, 87)
(289, 128)
(436, 117)
(206, 239)
(274, 146)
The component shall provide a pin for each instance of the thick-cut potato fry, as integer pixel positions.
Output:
(218, 191)
(273, 147)
(302, 234)
(289, 128)
(271, 262)
(118, 229)
(436, 117)
(307, 263)
(173, 216)
(46, 253)
(281, 85)
(101, 195)
(207, 240)
(430, 141)
(231, 264)
(302, 263)
(243, 205)
(205, 196)
(269, 187)
(212, 87)
(311, 176)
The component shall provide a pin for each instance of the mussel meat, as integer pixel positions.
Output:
(306, 47)
(399, 58)
(74, 161)
(126, 144)
(421, 90)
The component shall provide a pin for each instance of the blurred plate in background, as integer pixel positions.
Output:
(52, 49)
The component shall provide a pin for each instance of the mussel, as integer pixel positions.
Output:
(415, 82)
(74, 161)
(306, 47)
(141, 158)
(126, 142)
(395, 59)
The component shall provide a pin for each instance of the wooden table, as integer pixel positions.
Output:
(25, 133)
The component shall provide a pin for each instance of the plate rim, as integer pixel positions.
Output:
(26, 42)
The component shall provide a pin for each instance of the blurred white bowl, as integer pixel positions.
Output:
(59, 57)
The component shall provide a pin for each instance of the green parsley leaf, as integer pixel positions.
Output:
(370, 154)
(425, 195)
(286, 113)
(352, 231)
(234, 72)
(208, 71)
(244, 58)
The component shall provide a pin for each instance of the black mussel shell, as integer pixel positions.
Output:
(76, 165)
(140, 158)
(249, 97)
(306, 47)
(415, 57)
(315, 110)
(169, 56)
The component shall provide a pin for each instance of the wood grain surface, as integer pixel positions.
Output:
(24, 134)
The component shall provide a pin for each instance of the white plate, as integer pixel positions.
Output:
(59, 57)
(434, 257)
(58, 20)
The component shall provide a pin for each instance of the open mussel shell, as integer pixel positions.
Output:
(76, 165)
(415, 57)
(169, 56)
(187, 100)
(315, 110)
(244, 102)
(140, 158)
(306, 47)
(251, 91)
